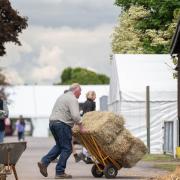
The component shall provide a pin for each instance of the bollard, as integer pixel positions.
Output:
(178, 152)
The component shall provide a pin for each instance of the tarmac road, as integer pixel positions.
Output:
(27, 168)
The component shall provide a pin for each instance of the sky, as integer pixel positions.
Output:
(60, 34)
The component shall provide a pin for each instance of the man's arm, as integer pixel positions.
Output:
(75, 114)
(74, 110)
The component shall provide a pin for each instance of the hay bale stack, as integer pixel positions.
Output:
(104, 126)
(117, 142)
(120, 146)
(135, 153)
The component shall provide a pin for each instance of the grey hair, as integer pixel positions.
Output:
(74, 86)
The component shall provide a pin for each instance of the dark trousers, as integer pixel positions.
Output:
(63, 136)
(21, 136)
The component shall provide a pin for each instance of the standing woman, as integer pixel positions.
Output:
(89, 104)
(3, 115)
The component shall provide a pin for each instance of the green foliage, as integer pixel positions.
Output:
(82, 76)
(156, 29)
(126, 38)
(161, 10)
(167, 167)
(175, 61)
(11, 24)
(66, 75)
(158, 157)
(103, 79)
(162, 161)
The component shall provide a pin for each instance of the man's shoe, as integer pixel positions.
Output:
(42, 169)
(63, 176)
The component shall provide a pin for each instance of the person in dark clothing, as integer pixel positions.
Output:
(89, 105)
(3, 115)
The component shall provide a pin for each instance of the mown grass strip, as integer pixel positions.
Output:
(158, 157)
(167, 167)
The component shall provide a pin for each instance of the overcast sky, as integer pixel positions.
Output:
(60, 33)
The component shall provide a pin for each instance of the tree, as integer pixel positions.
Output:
(158, 27)
(82, 76)
(126, 38)
(162, 11)
(11, 24)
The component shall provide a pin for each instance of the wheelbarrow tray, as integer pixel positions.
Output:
(11, 152)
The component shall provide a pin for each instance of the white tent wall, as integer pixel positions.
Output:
(114, 89)
(127, 95)
(36, 102)
(40, 127)
(134, 111)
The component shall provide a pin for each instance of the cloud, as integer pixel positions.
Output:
(72, 13)
(61, 33)
(44, 74)
(13, 77)
(47, 68)
(49, 56)
(58, 48)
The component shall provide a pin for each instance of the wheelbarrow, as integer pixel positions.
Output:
(9, 155)
(103, 164)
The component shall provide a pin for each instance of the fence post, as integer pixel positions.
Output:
(148, 116)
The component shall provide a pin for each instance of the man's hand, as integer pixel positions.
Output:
(82, 129)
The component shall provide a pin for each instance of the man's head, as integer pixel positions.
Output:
(76, 89)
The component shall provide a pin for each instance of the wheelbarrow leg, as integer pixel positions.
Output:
(2, 176)
(15, 173)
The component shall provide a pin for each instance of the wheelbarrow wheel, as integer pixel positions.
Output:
(110, 171)
(96, 172)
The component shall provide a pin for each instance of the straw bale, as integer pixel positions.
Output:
(110, 133)
(136, 152)
(120, 145)
(104, 126)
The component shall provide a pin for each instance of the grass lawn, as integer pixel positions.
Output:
(158, 157)
(167, 167)
(162, 161)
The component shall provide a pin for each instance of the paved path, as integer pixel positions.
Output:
(36, 147)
